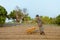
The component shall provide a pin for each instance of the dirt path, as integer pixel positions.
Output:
(19, 33)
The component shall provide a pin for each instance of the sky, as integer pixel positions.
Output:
(49, 8)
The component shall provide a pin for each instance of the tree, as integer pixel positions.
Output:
(45, 19)
(16, 15)
(3, 15)
(58, 20)
(12, 15)
(26, 18)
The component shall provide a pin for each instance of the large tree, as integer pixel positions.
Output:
(16, 15)
(3, 15)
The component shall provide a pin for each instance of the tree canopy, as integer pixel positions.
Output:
(3, 15)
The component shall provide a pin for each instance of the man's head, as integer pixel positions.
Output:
(37, 15)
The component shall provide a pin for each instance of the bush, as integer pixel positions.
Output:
(58, 20)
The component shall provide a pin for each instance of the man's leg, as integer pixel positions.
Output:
(41, 30)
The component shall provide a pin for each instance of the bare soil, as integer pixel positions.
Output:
(19, 33)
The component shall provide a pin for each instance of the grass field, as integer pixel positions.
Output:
(19, 33)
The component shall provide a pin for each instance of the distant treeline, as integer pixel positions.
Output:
(21, 16)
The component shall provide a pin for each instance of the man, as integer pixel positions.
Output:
(39, 22)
